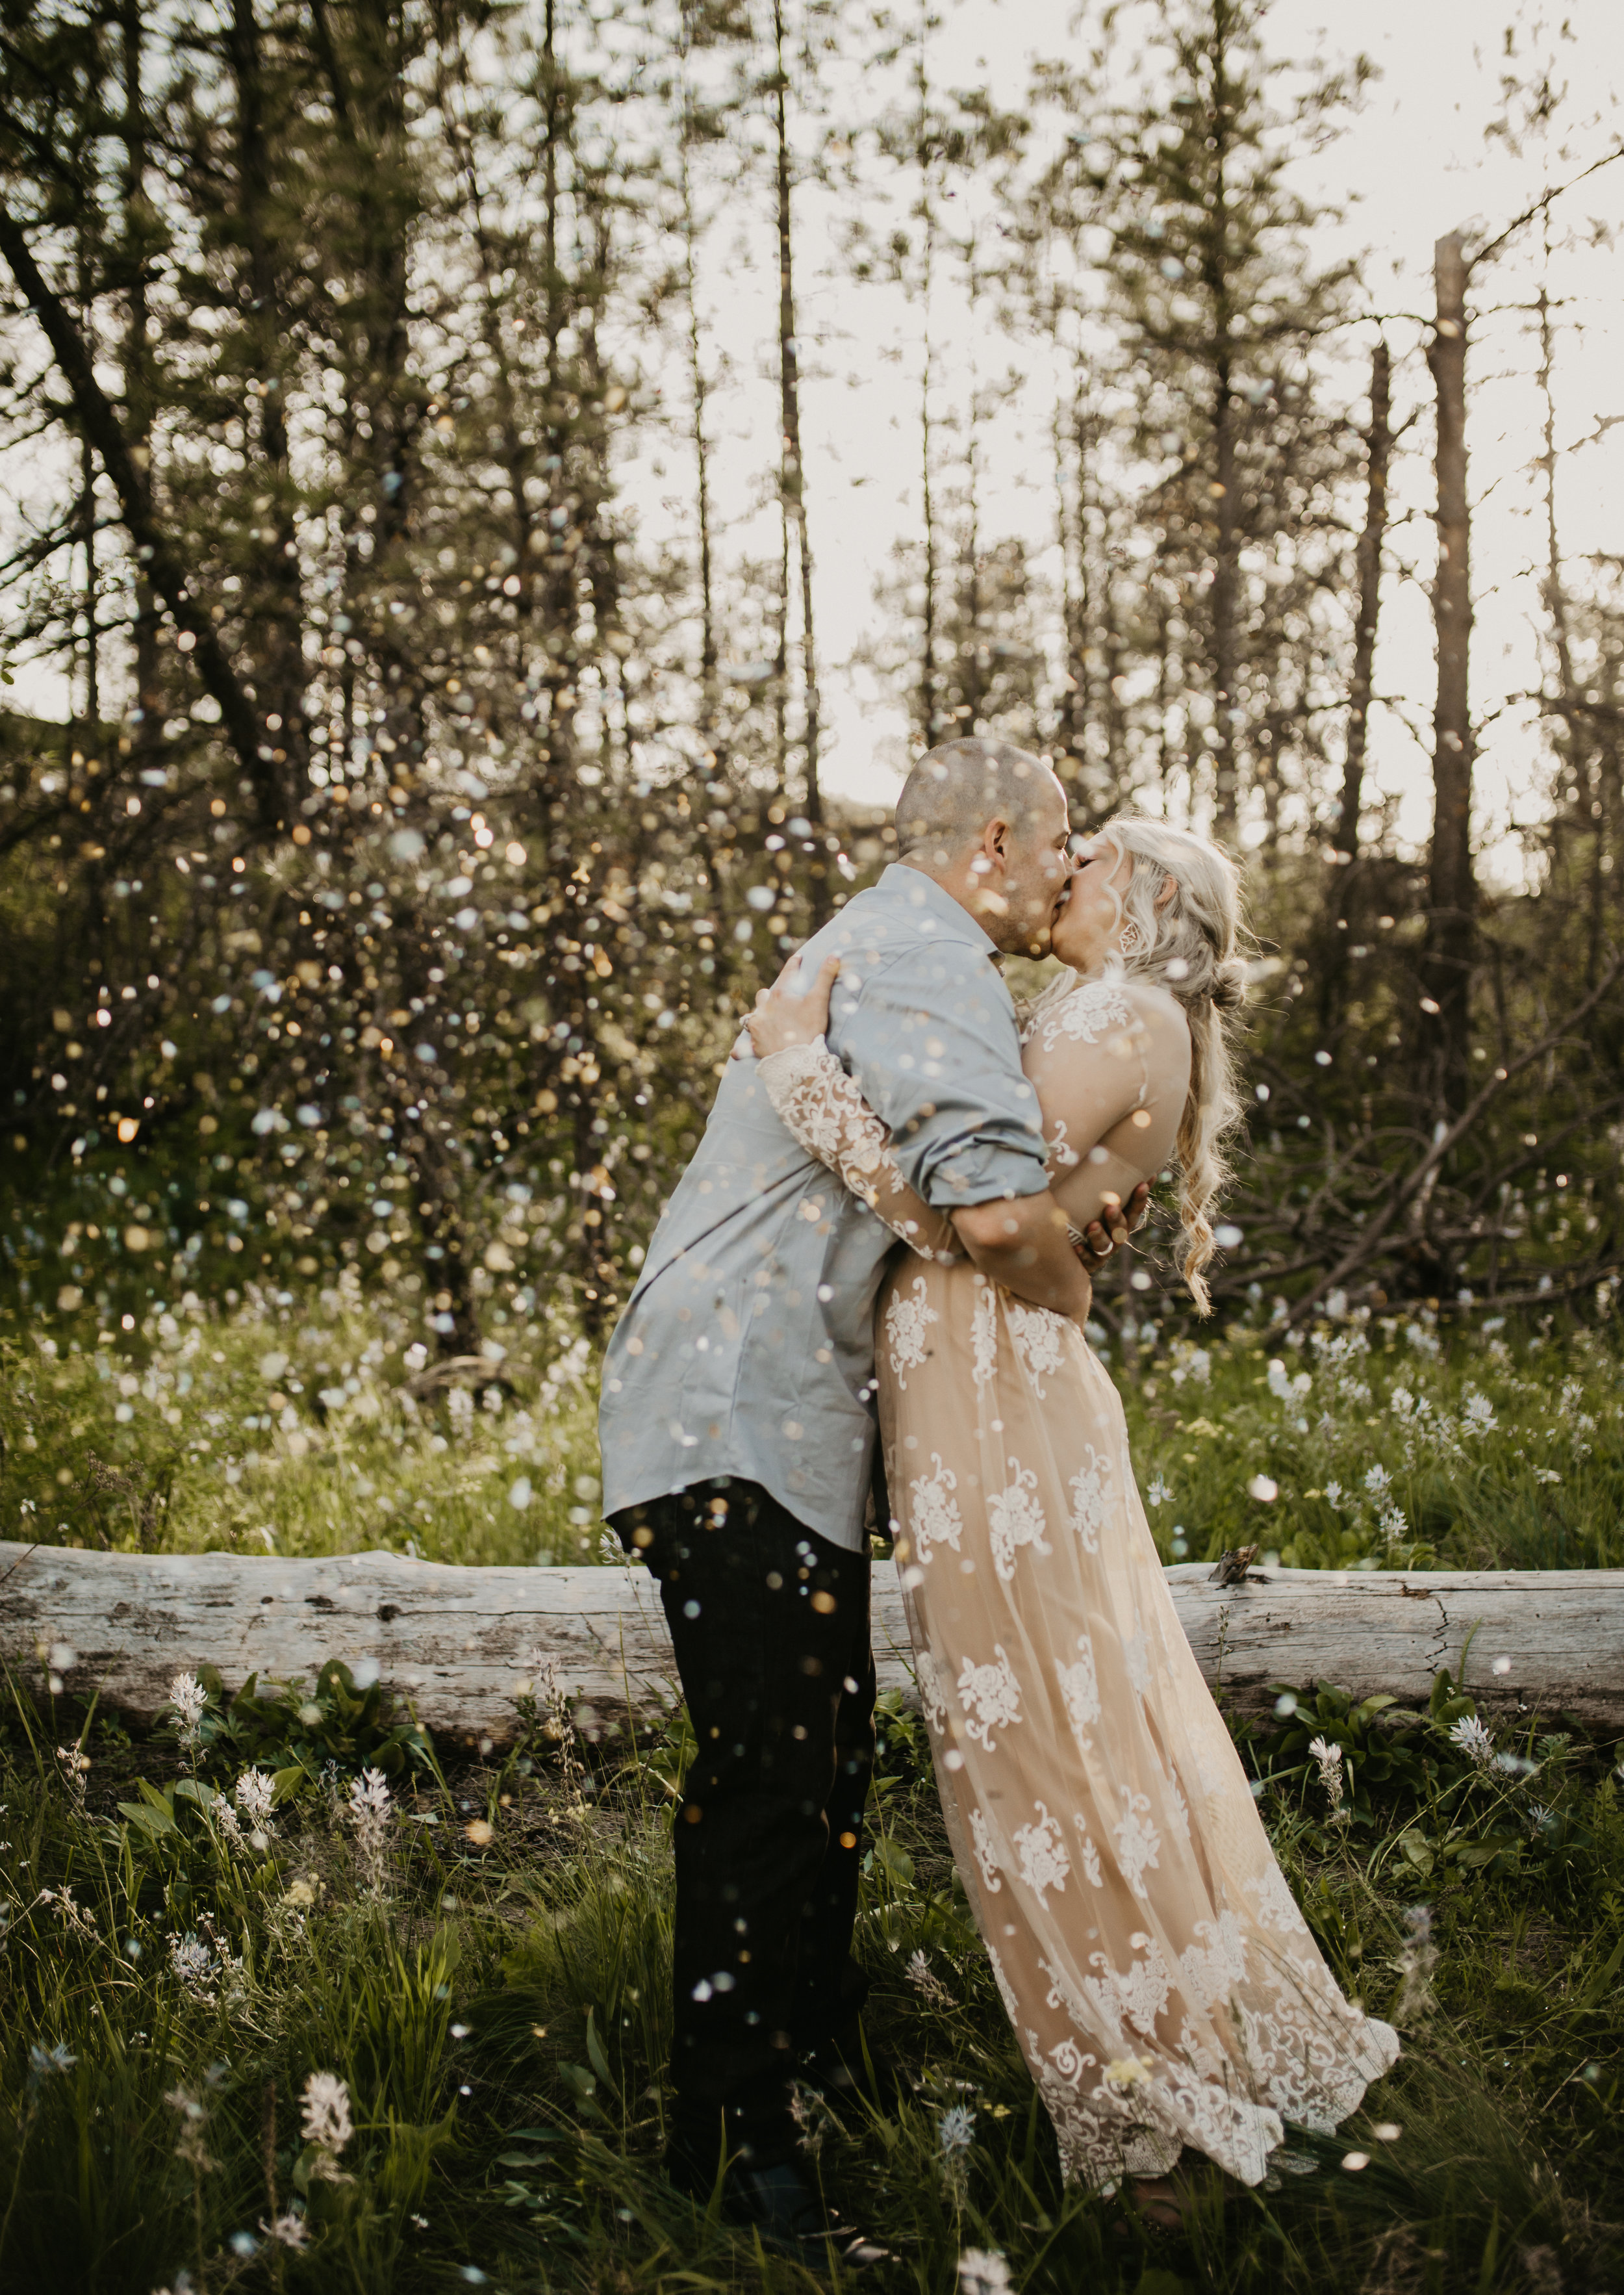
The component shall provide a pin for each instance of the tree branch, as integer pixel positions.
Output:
(162, 562)
(1404, 1191)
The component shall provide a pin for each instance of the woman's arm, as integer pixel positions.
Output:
(824, 1108)
(818, 1102)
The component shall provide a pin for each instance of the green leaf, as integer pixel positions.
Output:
(153, 1822)
(595, 2056)
(894, 1863)
(1417, 1850)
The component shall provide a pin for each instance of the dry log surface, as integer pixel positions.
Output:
(459, 1643)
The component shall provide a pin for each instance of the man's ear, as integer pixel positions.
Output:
(995, 840)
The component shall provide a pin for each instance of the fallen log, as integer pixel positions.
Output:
(461, 1644)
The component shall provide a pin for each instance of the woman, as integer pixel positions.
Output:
(1165, 1988)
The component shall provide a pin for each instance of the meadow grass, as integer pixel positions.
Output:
(483, 1962)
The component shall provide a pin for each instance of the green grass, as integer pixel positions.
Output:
(496, 2004)
(285, 1428)
(495, 2001)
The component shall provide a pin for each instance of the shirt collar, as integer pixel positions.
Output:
(950, 919)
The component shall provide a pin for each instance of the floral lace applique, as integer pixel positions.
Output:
(990, 1696)
(1040, 1338)
(1079, 1691)
(933, 1695)
(1137, 1842)
(1091, 1855)
(1044, 1862)
(1209, 1969)
(1081, 1014)
(932, 1511)
(907, 1321)
(986, 1856)
(1088, 1499)
(1015, 1519)
(984, 1334)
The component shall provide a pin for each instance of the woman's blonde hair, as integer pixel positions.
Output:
(1186, 940)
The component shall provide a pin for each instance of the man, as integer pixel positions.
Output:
(738, 1435)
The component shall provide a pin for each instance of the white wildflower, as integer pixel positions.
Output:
(1402, 1400)
(1333, 1494)
(1469, 1736)
(1330, 1760)
(1130, 2071)
(984, 2272)
(956, 2130)
(1394, 1523)
(812, 2116)
(1477, 1413)
(370, 1811)
(1418, 1958)
(326, 2123)
(191, 1959)
(1158, 1494)
(190, 1701)
(287, 2230)
(255, 1791)
(925, 1982)
(76, 1768)
(1377, 1480)
(43, 2061)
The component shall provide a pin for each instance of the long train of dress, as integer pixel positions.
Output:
(1163, 1984)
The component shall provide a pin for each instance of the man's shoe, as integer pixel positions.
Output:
(788, 2216)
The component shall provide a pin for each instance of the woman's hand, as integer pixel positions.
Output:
(1112, 1228)
(783, 1015)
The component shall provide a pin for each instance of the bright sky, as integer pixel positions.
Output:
(1413, 164)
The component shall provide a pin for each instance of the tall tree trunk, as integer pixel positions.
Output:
(930, 683)
(93, 632)
(792, 485)
(1226, 573)
(698, 388)
(1378, 459)
(1575, 746)
(277, 647)
(138, 392)
(1447, 969)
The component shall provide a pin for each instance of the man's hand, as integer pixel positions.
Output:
(1115, 1225)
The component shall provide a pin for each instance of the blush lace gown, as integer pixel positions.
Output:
(1165, 1986)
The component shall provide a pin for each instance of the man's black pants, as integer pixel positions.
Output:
(770, 1623)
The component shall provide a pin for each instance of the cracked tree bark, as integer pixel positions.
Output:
(458, 1643)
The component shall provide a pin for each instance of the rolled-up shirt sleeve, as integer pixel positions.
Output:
(931, 1037)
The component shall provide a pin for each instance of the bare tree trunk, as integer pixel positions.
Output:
(1378, 459)
(1446, 968)
(138, 394)
(277, 649)
(792, 485)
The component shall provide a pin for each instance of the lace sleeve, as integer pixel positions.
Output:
(816, 1100)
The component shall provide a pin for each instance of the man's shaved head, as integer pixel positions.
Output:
(955, 790)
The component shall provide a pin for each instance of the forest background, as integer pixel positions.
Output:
(491, 496)
(404, 413)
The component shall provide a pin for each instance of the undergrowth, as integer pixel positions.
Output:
(358, 2036)
(291, 2005)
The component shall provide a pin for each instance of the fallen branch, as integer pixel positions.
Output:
(461, 1644)
(1404, 1191)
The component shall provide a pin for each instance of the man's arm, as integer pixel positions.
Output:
(1022, 1243)
(933, 1043)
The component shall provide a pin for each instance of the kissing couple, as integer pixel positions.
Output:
(889, 1228)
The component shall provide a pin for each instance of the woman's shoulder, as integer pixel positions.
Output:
(1089, 1011)
(1156, 1007)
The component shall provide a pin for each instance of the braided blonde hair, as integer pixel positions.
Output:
(1187, 940)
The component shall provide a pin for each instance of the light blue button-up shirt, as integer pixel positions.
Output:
(748, 1347)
